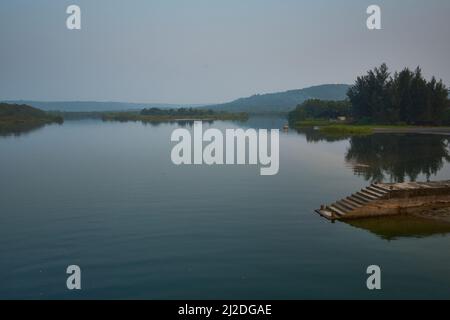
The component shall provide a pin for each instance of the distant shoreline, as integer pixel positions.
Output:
(125, 117)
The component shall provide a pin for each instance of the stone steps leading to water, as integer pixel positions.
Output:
(345, 206)
(389, 199)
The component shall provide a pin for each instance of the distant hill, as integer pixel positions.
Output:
(283, 101)
(260, 103)
(94, 106)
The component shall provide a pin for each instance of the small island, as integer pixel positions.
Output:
(168, 115)
(380, 102)
(16, 119)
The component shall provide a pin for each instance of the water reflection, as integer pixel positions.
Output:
(18, 129)
(390, 157)
(397, 157)
(395, 227)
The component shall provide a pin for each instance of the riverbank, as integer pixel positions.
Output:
(129, 116)
(328, 127)
(390, 199)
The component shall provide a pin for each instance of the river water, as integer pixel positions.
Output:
(107, 197)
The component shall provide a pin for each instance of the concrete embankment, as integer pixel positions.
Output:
(384, 199)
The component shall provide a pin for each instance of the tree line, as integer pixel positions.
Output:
(404, 97)
(176, 112)
(379, 97)
(321, 109)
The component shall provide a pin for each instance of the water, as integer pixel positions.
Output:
(106, 197)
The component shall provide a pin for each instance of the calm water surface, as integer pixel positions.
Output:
(106, 197)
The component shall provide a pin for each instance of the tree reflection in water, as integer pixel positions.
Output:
(19, 128)
(396, 227)
(397, 157)
(390, 157)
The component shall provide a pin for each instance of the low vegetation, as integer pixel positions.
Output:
(315, 109)
(11, 114)
(156, 115)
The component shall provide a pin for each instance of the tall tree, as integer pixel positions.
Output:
(370, 94)
(405, 97)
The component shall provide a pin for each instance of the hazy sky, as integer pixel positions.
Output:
(205, 51)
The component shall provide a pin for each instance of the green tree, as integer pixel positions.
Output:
(320, 109)
(370, 96)
(406, 97)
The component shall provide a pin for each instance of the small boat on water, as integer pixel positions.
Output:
(286, 127)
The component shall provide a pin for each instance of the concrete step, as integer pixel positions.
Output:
(382, 192)
(366, 195)
(373, 193)
(380, 187)
(343, 207)
(350, 206)
(351, 203)
(335, 210)
(354, 199)
(360, 198)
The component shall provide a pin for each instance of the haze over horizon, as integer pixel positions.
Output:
(206, 52)
(169, 103)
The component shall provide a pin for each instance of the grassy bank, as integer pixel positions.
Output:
(341, 128)
(330, 127)
(347, 129)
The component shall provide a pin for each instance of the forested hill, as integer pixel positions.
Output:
(20, 111)
(13, 113)
(283, 101)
